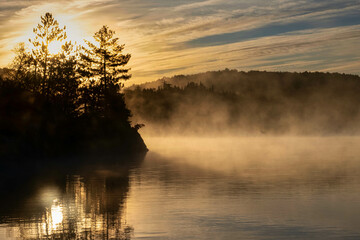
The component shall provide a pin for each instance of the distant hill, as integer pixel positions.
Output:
(233, 102)
(234, 80)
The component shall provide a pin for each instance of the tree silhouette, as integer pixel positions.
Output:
(102, 65)
(63, 79)
(105, 58)
(55, 99)
(20, 61)
(46, 32)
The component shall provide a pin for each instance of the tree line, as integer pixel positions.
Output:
(249, 103)
(82, 77)
(49, 99)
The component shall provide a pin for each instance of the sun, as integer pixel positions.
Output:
(55, 47)
(75, 32)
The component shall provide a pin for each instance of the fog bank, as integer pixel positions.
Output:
(229, 102)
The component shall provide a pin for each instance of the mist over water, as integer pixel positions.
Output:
(266, 161)
(234, 103)
(228, 155)
(247, 188)
(278, 159)
(197, 188)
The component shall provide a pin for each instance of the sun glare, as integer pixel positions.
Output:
(56, 215)
(74, 31)
(55, 47)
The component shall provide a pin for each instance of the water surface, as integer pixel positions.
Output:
(198, 188)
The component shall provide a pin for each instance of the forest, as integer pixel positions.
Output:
(74, 101)
(68, 102)
(231, 102)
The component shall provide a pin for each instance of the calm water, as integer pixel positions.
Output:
(198, 188)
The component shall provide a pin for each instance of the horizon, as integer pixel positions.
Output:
(163, 78)
(190, 37)
(241, 119)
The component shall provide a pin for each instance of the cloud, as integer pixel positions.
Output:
(189, 36)
(199, 4)
(272, 29)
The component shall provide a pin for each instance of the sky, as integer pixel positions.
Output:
(169, 37)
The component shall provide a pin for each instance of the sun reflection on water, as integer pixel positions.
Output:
(82, 211)
(56, 215)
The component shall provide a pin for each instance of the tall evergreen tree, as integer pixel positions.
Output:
(102, 67)
(40, 111)
(20, 62)
(46, 32)
(63, 79)
(104, 60)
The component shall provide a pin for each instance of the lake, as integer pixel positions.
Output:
(195, 188)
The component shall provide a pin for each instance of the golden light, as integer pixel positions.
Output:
(55, 47)
(74, 33)
(56, 214)
(74, 30)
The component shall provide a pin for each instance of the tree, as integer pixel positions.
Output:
(101, 66)
(20, 61)
(104, 60)
(23, 68)
(63, 79)
(46, 32)
(41, 110)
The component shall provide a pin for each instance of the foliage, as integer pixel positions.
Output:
(105, 60)
(232, 102)
(101, 64)
(49, 100)
(45, 33)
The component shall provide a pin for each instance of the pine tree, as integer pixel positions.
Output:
(63, 79)
(102, 67)
(46, 32)
(104, 60)
(20, 67)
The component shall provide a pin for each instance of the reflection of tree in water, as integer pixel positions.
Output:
(86, 209)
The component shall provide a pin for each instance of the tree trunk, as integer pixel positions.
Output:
(105, 84)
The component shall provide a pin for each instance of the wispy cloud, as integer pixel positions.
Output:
(346, 19)
(188, 36)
